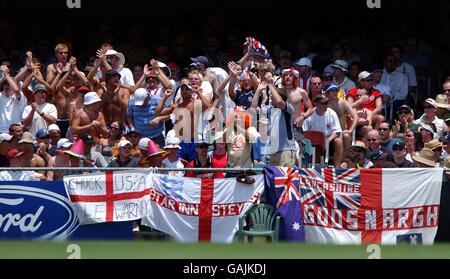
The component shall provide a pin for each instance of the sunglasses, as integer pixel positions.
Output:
(203, 146)
(115, 128)
(397, 148)
(428, 107)
(317, 83)
(63, 52)
(368, 80)
(372, 140)
(446, 90)
(383, 129)
(133, 136)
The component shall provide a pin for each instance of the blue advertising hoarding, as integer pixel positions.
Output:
(42, 211)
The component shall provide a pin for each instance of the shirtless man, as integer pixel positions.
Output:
(185, 117)
(29, 159)
(114, 98)
(342, 109)
(62, 57)
(60, 160)
(296, 95)
(90, 119)
(65, 91)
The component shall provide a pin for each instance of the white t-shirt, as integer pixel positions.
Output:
(327, 123)
(38, 121)
(175, 165)
(126, 76)
(11, 110)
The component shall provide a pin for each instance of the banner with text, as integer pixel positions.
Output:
(110, 196)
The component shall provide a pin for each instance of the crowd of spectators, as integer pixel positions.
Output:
(217, 112)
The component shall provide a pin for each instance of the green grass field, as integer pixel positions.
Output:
(170, 250)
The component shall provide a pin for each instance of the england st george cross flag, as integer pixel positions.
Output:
(388, 206)
(200, 209)
(383, 206)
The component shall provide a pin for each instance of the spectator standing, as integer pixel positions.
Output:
(40, 114)
(12, 100)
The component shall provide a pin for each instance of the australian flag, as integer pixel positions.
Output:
(282, 191)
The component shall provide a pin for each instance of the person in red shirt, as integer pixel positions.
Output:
(367, 102)
(204, 160)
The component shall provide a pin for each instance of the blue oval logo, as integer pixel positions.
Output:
(34, 213)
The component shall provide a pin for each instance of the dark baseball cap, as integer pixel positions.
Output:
(111, 73)
(398, 144)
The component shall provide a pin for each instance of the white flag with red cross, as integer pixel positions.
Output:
(200, 209)
(110, 196)
(388, 206)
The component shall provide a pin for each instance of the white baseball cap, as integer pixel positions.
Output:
(91, 98)
(63, 143)
(139, 96)
(143, 143)
(53, 127)
(124, 143)
(363, 75)
(5, 137)
(304, 62)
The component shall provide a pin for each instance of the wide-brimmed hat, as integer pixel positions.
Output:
(112, 52)
(359, 145)
(340, 64)
(91, 98)
(27, 138)
(433, 144)
(426, 157)
(442, 101)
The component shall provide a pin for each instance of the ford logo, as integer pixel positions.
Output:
(34, 213)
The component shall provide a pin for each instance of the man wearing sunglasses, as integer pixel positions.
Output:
(429, 117)
(386, 140)
(399, 156)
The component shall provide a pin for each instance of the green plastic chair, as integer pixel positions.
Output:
(263, 217)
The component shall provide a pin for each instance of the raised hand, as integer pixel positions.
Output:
(168, 93)
(73, 62)
(146, 71)
(97, 63)
(154, 64)
(59, 68)
(101, 54)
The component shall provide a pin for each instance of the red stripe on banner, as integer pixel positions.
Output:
(371, 199)
(205, 209)
(109, 196)
(328, 176)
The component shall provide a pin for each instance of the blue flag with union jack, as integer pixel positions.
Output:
(282, 191)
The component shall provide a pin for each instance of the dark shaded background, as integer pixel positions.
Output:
(138, 28)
